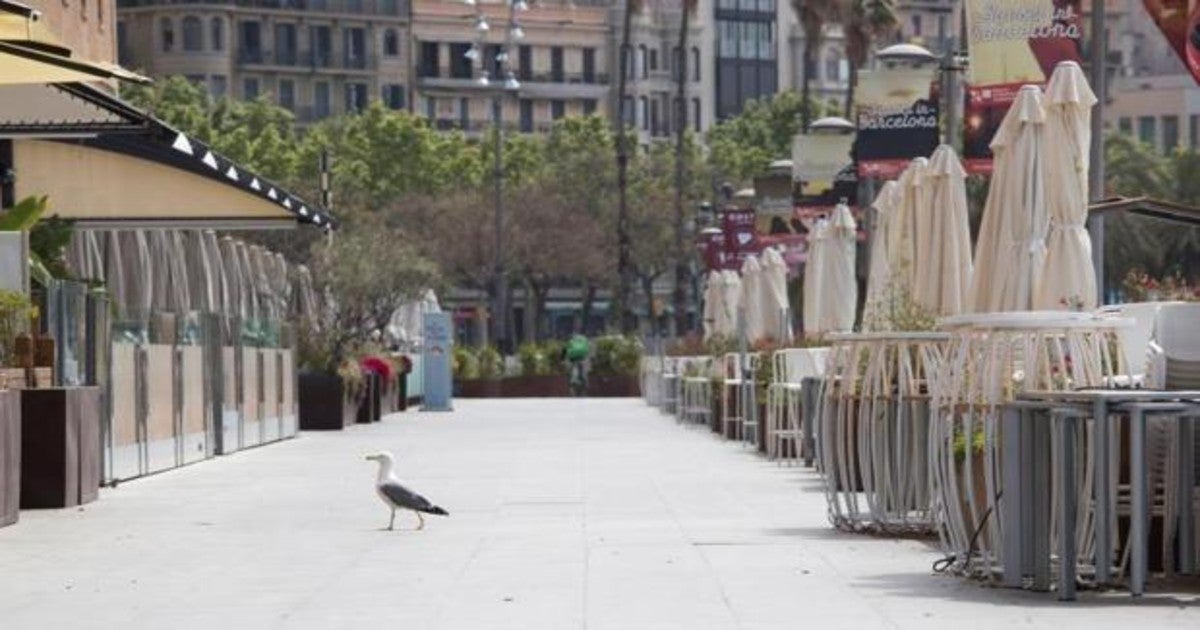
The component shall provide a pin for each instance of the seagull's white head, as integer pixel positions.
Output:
(381, 457)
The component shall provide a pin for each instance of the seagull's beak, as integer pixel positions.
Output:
(369, 457)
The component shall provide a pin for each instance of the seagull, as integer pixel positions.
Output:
(397, 496)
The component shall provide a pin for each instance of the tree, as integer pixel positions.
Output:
(681, 129)
(368, 271)
(863, 22)
(743, 146)
(813, 15)
(1159, 247)
(621, 300)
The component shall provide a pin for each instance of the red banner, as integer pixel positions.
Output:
(1180, 24)
(1012, 43)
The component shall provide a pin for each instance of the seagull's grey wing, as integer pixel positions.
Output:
(405, 498)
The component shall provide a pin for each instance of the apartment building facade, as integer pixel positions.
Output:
(561, 60)
(316, 58)
(88, 26)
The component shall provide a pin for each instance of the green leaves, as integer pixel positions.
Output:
(24, 215)
(743, 146)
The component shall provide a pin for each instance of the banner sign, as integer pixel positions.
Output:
(1011, 43)
(435, 361)
(897, 120)
(1179, 21)
(741, 239)
(711, 245)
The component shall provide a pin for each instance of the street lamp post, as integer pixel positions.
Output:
(504, 81)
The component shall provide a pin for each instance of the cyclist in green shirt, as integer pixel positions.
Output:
(577, 351)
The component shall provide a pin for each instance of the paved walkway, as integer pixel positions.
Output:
(598, 514)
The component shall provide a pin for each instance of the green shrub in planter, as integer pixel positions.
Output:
(466, 364)
(615, 355)
(533, 359)
(556, 363)
(491, 363)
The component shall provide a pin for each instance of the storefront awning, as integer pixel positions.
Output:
(64, 110)
(141, 172)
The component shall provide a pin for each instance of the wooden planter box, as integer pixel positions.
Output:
(10, 456)
(324, 403)
(616, 386)
(369, 411)
(60, 447)
(545, 386)
(480, 388)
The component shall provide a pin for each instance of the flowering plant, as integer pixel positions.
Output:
(1073, 303)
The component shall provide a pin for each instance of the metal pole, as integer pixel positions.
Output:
(500, 312)
(954, 98)
(1099, 79)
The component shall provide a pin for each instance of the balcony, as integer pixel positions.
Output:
(308, 60)
(397, 8)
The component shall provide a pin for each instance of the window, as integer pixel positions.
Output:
(695, 64)
(727, 39)
(354, 42)
(833, 66)
(653, 59)
(643, 61)
(676, 63)
(696, 115)
(941, 29)
(655, 115)
(464, 113)
(391, 43)
(320, 40)
(167, 30)
(644, 113)
(250, 41)
(122, 43)
(1125, 126)
(558, 109)
(492, 61)
(1147, 130)
(589, 65)
(285, 44)
(429, 59)
(193, 34)
(217, 86)
(1170, 125)
(524, 62)
(356, 97)
(556, 64)
(249, 89)
(321, 99)
(393, 96)
(589, 106)
(678, 117)
(916, 25)
(195, 79)
(287, 93)
(430, 107)
(1193, 131)
(217, 32)
(460, 66)
(628, 115)
(766, 40)
(526, 115)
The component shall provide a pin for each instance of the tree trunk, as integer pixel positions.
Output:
(681, 270)
(852, 84)
(648, 289)
(531, 331)
(810, 52)
(621, 297)
(589, 295)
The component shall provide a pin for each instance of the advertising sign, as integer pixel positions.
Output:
(741, 239)
(435, 362)
(824, 170)
(1012, 43)
(897, 120)
(1179, 21)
